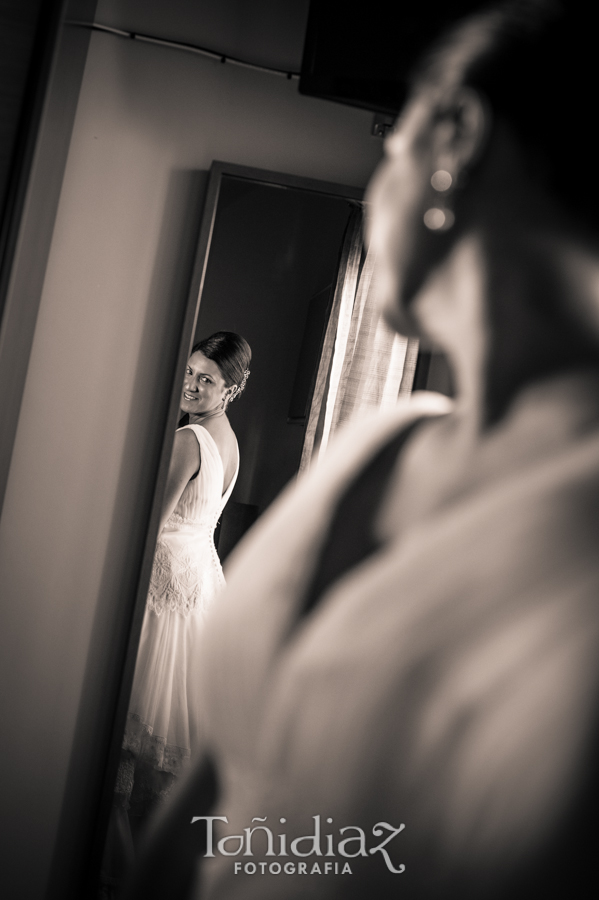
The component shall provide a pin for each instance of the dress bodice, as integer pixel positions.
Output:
(186, 574)
(202, 500)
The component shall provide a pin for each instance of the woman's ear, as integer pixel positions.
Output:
(230, 393)
(461, 131)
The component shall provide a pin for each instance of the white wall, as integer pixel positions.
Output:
(149, 120)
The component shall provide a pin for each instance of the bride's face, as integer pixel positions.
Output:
(204, 387)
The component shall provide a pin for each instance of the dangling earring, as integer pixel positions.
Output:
(440, 217)
(230, 397)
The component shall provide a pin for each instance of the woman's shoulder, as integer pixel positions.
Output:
(186, 454)
(189, 436)
(222, 433)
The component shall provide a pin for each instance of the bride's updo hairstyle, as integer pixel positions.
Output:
(535, 62)
(232, 354)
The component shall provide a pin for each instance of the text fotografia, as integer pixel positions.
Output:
(351, 843)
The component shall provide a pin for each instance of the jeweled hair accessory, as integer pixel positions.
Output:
(243, 381)
(238, 388)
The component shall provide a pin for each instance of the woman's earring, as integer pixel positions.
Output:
(439, 217)
(230, 396)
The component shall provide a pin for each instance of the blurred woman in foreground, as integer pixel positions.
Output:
(411, 637)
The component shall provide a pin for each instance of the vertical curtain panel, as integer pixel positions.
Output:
(364, 365)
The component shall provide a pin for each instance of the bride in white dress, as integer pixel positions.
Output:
(161, 734)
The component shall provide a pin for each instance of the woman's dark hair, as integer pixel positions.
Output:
(232, 355)
(535, 62)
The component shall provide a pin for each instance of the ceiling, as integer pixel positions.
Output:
(263, 32)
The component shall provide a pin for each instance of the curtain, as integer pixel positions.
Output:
(364, 364)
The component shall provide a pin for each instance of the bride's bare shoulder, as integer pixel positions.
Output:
(224, 437)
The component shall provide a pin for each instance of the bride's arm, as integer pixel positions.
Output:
(185, 462)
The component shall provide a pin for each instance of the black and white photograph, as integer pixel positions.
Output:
(299, 450)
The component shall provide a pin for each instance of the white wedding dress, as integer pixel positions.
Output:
(162, 729)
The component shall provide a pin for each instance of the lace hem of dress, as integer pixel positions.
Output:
(140, 788)
(150, 748)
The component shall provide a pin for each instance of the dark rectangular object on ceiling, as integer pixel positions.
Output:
(363, 56)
